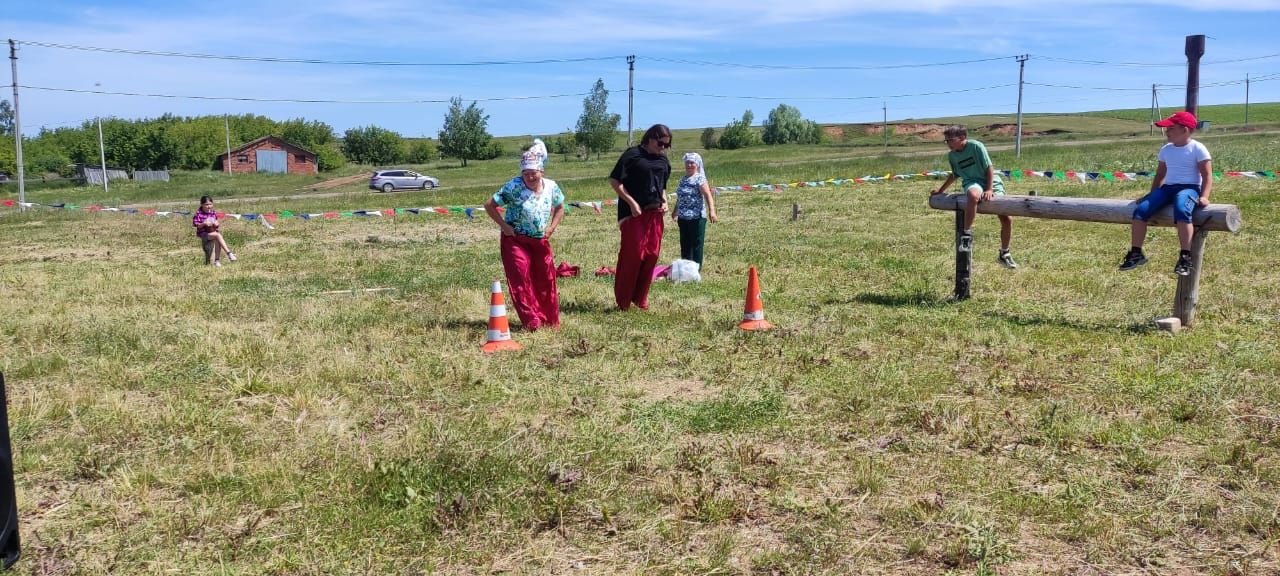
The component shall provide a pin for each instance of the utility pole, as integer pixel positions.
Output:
(226, 126)
(17, 126)
(1194, 50)
(1151, 129)
(102, 154)
(1017, 143)
(631, 94)
(1246, 99)
(1159, 110)
(885, 125)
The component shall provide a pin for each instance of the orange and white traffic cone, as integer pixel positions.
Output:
(499, 334)
(753, 311)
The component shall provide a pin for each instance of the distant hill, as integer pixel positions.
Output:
(994, 128)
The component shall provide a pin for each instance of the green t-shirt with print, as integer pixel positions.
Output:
(970, 164)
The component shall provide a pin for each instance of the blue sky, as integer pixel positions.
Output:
(724, 48)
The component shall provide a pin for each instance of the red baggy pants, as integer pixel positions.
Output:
(531, 279)
(637, 255)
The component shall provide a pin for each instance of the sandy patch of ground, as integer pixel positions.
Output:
(672, 389)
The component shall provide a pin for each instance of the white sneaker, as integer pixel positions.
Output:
(217, 263)
(231, 256)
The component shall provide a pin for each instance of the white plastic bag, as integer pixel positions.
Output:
(685, 271)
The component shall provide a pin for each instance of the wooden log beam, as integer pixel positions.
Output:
(1214, 217)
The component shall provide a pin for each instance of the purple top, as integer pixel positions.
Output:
(199, 219)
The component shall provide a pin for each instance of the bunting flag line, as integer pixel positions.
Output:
(268, 219)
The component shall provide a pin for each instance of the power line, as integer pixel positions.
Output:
(1149, 64)
(1094, 87)
(1263, 78)
(1107, 63)
(310, 60)
(294, 100)
(669, 93)
(804, 67)
(1233, 61)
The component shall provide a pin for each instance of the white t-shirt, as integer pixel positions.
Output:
(1182, 163)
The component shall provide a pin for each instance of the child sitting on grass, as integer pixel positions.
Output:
(206, 224)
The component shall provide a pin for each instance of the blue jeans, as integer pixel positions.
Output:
(1183, 196)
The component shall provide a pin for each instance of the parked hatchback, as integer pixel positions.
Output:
(388, 180)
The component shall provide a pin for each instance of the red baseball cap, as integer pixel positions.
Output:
(1181, 118)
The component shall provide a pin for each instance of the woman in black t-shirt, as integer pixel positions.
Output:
(640, 180)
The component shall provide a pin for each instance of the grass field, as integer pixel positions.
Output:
(169, 418)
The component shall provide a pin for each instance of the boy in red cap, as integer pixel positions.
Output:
(1184, 178)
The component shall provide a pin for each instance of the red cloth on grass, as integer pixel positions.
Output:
(566, 270)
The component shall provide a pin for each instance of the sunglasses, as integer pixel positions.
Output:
(664, 144)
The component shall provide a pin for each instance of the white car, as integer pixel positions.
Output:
(388, 180)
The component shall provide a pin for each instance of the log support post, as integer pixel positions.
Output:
(1184, 302)
(964, 259)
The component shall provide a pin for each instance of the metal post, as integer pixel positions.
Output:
(17, 127)
(631, 95)
(1022, 66)
(1194, 50)
(1159, 111)
(1246, 100)
(102, 154)
(1151, 129)
(964, 258)
(1184, 301)
(885, 126)
(226, 125)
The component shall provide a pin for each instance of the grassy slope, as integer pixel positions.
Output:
(172, 418)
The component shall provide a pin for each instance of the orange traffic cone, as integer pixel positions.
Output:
(499, 334)
(753, 311)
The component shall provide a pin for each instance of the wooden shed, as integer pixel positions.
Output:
(269, 154)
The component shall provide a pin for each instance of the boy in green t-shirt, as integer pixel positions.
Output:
(972, 166)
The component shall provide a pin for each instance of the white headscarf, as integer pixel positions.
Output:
(696, 159)
(535, 158)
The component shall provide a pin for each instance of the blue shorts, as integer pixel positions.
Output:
(1183, 197)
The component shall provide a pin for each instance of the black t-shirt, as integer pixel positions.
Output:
(644, 175)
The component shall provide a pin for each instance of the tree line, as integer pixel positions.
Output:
(196, 143)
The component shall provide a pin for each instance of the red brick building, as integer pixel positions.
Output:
(269, 154)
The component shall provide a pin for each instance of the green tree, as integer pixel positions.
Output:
(42, 157)
(563, 143)
(738, 133)
(329, 156)
(597, 128)
(309, 134)
(709, 140)
(373, 145)
(6, 118)
(8, 157)
(423, 151)
(786, 125)
(465, 133)
(493, 150)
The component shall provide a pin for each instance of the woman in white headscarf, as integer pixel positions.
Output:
(694, 206)
(533, 208)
